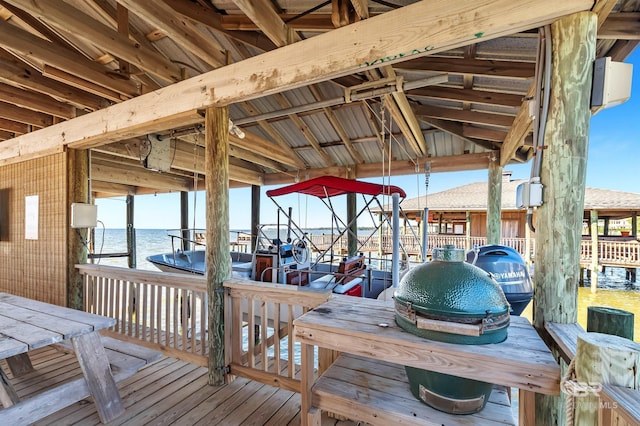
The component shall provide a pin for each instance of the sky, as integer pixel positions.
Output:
(613, 162)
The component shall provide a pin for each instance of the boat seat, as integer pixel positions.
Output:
(350, 269)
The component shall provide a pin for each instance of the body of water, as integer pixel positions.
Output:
(614, 290)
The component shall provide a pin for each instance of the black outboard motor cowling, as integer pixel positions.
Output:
(508, 268)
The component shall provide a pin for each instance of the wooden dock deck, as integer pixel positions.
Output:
(168, 392)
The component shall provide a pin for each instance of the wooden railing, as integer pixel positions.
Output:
(622, 253)
(412, 245)
(168, 312)
(258, 329)
(157, 309)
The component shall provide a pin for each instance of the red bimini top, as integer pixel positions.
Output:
(330, 186)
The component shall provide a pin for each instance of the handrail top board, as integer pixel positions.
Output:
(367, 327)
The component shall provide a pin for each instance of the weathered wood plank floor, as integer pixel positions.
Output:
(168, 392)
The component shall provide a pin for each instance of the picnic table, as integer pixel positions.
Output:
(26, 325)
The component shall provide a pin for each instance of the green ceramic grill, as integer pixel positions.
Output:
(451, 301)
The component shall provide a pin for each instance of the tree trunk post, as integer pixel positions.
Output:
(218, 262)
(184, 219)
(78, 192)
(255, 215)
(494, 203)
(563, 174)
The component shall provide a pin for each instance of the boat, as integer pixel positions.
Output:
(285, 254)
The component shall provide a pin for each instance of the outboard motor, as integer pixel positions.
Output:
(508, 268)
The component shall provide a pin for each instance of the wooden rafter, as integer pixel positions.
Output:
(482, 97)
(16, 73)
(358, 47)
(36, 102)
(306, 132)
(480, 67)
(477, 117)
(68, 19)
(28, 45)
(522, 126)
(180, 28)
(331, 116)
(263, 14)
(288, 157)
(23, 115)
(454, 163)
(457, 129)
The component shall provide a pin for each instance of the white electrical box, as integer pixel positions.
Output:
(84, 215)
(159, 157)
(529, 194)
(611, 83)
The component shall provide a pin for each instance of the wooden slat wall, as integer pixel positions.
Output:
(34, 268)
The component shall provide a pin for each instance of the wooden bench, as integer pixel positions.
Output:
(125, 359)
(620, 401)
(377, 392)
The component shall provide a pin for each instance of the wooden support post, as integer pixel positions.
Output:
(527, 244)
(606, 227)
(218, 263)
(131, 233)
(601, 319)
(634, 224)
(352, 235)
(593, 220)
(467, 240)
(494, 203)
(563, 174)
(255, 215)
(78, 192)
(380, 235)
(184, 219)
(602, 359)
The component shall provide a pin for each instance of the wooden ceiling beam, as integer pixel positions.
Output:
(70, 20)
(262, 147)
(522, 126)
(135, 175)
(473, 96)
(80, 83)
(185, 157)
(621, 26)
(23, 115)
(36, 102)
(16, 73)
(454, 163)
(475, 132)
(457, 129)
(108, 189)
(480, 67)
(264, 15)
(13, 126)
(14, 39)
(179, 28)
(476, 117)
(408, 115)
(357, 47)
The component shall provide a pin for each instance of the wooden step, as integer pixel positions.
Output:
(377, 392)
